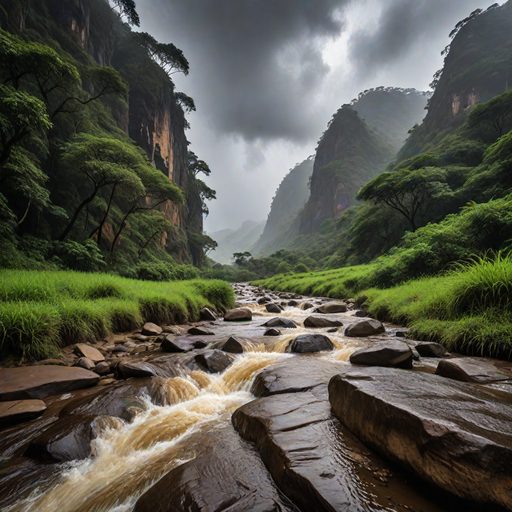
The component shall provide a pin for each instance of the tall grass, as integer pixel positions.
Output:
(42, 310)
(468, 309)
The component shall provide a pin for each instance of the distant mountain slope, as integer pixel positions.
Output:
(360, 140)
(235, 240)
(290, 198)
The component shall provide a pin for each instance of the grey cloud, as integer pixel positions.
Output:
(253, 63)
(405, 23)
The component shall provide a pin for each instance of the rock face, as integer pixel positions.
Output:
(429, 349)
(454, 435)
(151, 329)
(285, 323)
(306, 343)
(214, 361)
(85, 350)
(317, 321)
(365, 328)
(41, 381)
(393, 353)
(470, 370)
(16, 411)
(331, 307)
(238, 315)
(226, 475)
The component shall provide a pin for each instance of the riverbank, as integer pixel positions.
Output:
(469, 309)
(42, 311)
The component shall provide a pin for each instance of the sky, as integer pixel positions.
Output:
(267, 75)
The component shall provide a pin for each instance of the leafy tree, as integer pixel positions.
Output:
(127, 11)
(242, 258)
(408, 191)
(186, 102)
(489, 121)
(197, 166)
(170, 58)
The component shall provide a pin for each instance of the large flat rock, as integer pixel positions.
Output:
(41, 381)
(471, 370)
(16, 411)
(316, 462)
(227, 475)
(452, 434)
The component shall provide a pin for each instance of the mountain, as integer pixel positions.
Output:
(240, 239)
(93, 84)
(360, 140)
(290, 198)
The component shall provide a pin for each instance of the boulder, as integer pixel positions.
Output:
(295, 375)
(121, 348)
(17, 411)
(306, 305)
(365, 328)
(387, 353)
(285, 323)
(85, 350)
(226, 475)
(41, 381)
(151, 329)
(140, 337)
(471, 370)
(85, 362)
(454, 435)
(102, 368)
(331, 307)
(332, 329)
(173, 344)
(293, 303)
(429, 348)
(263, 300)
(318, 321)
(273, 308)
(214, 361)
(361, 313)
(200, 331)
(207, 314)
(238, 315)
(272, 332)
(307, 343)
(232, 345)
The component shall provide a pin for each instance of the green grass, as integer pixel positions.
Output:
(468, 309)
(42, 310)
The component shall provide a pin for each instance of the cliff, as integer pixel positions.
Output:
(360, 140)
(477, 67)
(289, 200)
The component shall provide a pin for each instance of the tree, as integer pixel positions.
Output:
(408, 191)
(491, 120)
(196, 166)
(186, 102)
(127, 11)
(242, 258)
(170, 58)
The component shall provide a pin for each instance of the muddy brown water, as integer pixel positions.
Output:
(129, 456)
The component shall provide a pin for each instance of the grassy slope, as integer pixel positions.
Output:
(468, 309)
(42, 310)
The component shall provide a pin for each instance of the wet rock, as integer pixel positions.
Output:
(209, 482)
(294, 375)
(365, 328)
(332, 329)
(85, 350)
(151, 329)
(41, 381)
(454, 435)
(119, 349)
(17, 411)
(69, 438)
(307, 343)
(232, 345)
(172, 344)
(214, 361)
(332, 307)
(264, 300)
(102, 368)
(285, 323)
(362, 313)
(429, 349)
(471, 370)
(306, 305)
(200, 331)
(273, 308)
(401, 334)
(140, 337)
(317, 321)
(85, 362)
(387, 353)
(207, 314)
(238, 315)
(199, 344)
(272, 332)
(293, 303)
